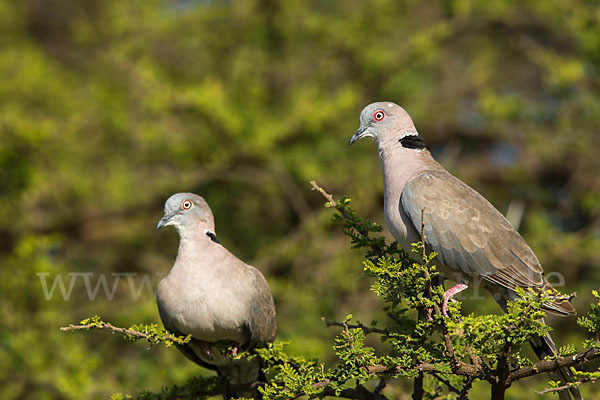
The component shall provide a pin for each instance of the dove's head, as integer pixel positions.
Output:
(384, 122)
(187, 211)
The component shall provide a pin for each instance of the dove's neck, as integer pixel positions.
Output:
(400, 165)
(196, 246)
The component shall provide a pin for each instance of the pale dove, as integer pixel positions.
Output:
(474, 242)
(212, 295)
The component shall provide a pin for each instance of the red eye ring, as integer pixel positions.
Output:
(378, 115)
(187, 204)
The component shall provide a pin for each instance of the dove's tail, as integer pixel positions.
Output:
(544, 346)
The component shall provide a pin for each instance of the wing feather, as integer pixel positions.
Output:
(262, 321)
(468, 232)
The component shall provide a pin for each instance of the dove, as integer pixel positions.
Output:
(473, 240)
(212, 295)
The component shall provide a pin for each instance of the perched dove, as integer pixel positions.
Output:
(212, 295)
(473, 240)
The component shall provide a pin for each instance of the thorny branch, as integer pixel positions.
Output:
(152, 338)
(377, 250)
(553, 365)
(469, 370)
(332, 203)
(565, 387)
(348, 337)
(366, 329)
(447, 383)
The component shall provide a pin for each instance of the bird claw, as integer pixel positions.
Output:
(207, 350)
(233, 352)
(448, 296)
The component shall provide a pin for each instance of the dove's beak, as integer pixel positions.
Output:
(164, 221)
(357, 135)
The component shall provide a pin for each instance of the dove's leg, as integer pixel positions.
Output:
(449, 294)
(231, 354)
(206, 350)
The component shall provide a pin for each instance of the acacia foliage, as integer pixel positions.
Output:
(444, 356)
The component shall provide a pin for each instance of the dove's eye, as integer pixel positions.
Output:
(378, 115)
(186, 204)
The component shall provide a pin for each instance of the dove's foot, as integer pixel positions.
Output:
(206, 350)
(449, 294)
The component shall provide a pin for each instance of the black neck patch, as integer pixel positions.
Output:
(413, 142)
(212, 236)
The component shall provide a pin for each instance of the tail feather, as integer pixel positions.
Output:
(544, 346)
(562, 308)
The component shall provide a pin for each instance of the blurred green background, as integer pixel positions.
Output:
(109, 107)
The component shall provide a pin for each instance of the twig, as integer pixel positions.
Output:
(348, 336)
(366, 329)
(322, 384)
(105, 325)
(462, 369)
(565, 387)
(466, 387)
(124, 331)
(327, 196)
(553, 365)
(351, 344)
(447, 383)
(333, 203)
(475, 359)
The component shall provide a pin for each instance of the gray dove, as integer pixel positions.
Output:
(212, 295)
(473, 240)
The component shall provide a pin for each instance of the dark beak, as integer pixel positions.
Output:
(163, 221)
(357, 135)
